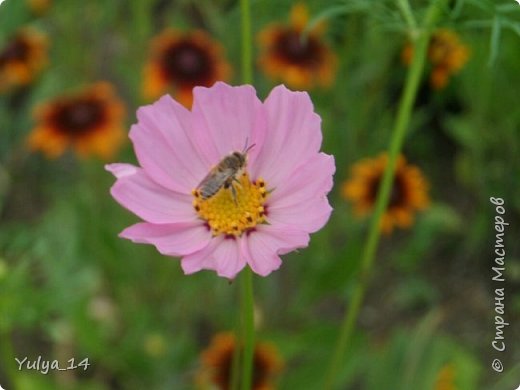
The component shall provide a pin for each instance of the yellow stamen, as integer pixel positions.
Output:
(229, 215)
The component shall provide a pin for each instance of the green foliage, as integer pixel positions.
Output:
(70, 288)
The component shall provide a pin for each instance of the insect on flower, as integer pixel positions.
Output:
(206, 195)
(224, 174)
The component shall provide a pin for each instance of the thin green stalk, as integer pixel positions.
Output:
(141, 25)
(248, 326)
(247, 301)
(398, 134)
(235, 378)
(139, 30)
(235, 363)
(247, 40)
(406, 10)
(8, 358)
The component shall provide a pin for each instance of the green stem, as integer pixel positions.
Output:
(7, 353)
(406, 10)
(248, 327)
(235, 378)
(237, 355)
(247, 336)
(398, 134)
(247, 302)
(141, 25)
(247, 47)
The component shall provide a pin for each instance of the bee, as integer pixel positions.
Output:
(224, 174)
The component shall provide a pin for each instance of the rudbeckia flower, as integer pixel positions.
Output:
(91, 122)
(202, 202)
(217, 364)
(22, 58)
(300, 62)
(180, 61)
(446, 378)
(39, 7)
(446, 54)
(408, 193)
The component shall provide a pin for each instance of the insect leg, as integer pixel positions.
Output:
(234, 193)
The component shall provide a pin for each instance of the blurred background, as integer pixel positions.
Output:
(72, 75)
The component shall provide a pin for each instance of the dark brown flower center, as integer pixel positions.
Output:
(260, 370)
(79, 117)
(224, 372)
(187, 63)
(294, 49)
(397, 192)
(14, 51)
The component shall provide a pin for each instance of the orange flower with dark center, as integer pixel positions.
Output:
(408, 193)
(181, 61)
(91, 122)
(39, 7)
(16, 50)
(446, 54)
(300, 61)
(22, 58)
(217, 362)
(446, 378)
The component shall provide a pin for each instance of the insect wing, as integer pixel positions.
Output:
(213, 181)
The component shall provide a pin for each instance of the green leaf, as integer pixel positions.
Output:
(494, 40)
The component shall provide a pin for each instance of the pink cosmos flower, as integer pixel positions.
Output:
(270, 207)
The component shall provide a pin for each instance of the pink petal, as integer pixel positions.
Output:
(306, 216)
(162, 142)
(310, 181)
(201, 259)
(170, 239)
(222, 255)
(226, 119)
(121, 170)
(293, 135)
(267, 242)
(153, 203)
(228, 259)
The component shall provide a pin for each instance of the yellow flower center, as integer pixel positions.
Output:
(233, 214)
